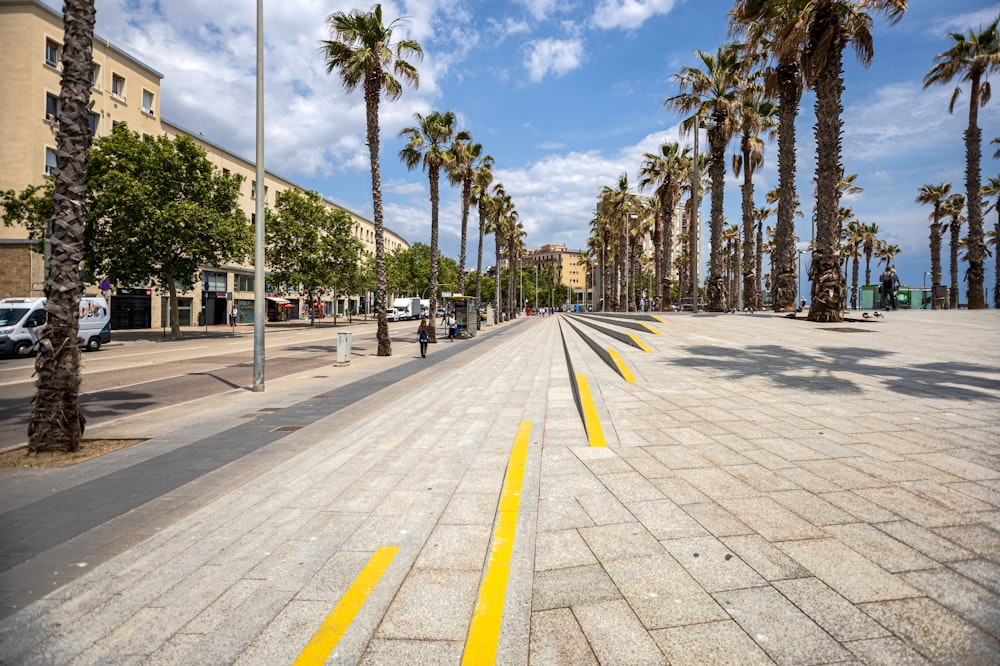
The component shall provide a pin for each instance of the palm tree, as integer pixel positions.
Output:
(363, 52)
(772, 25)
(991, 188)
(935, 195)
(501, 209)
(756, 115)
(55, 422)
(854, 239)
(952, 207)
(665, 172)
(830, 25)
(869, 234)
(971, 57)
(462, 171)
(759, 215)
(428, 146)
(617, 206)
(712, 92)
(483, 176)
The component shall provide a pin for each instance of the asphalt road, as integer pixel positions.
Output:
(129, 377)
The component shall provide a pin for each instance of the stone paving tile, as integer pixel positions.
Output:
(432, 605)
(957, 466)
(661, 592)
(889, 651)
(616, 636)
(771, 461)
(940, 635)
(556, 638)
(920, 510)
(561, 514)
(609, 542)
(890, 554)
(719, 643)
(717, 483)
(947, 495)
(717, 520)
(679, 491)
(455, 547)
(765, 558)
(604, 509)
(677, 457)
(761, 478)
(858, 506)
(630, 486)
(382, 651)
(856, 578)
(713, 564)
(954, 591)
(812, 508)
(839, 617)
(560, 550)
(779, 627)
(666, 520)
(771, 520)
(984, 572)
(562, 588)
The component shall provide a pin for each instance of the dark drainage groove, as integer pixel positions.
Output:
(287, 429)
(849, 330)
(270, 409)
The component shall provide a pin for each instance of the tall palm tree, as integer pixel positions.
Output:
(712, 92)
(869, 236)
(759, 215)
(935, 195)
(971, 57)
(991, 188)
(854, 239)
(953, 207)
(481, 180)
(428, 146)
(501, 209)
(831, 25)
(756, 115)
(773, 26)
(55, 422)
(462, 171)
(362, 51)
(665, 172)
(617, 205)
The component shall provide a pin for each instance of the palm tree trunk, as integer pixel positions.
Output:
(479, 255)
(747, 263)
(466, 195)
(996, 267)
(956, 230)
(55, 422)
(827, 281)
(935, 259)
(657, 295)
(667, 255)
(496, 282)
(854, 281)
(783, 256)
(175, 323)
(373, 87)
(976, 248)
(716, 286)
(758, 296)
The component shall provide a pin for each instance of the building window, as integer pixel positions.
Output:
(92, 120)
(244, 282)
(52, 107)
(95, 75)
(118, 85)
(50, 161)
(253, 190)
(215, 281)
(226, 173)
(52, 52)
(147, 102)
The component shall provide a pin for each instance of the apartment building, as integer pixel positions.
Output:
(124, 90)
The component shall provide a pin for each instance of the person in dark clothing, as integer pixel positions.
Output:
(886, 282)
(423, 336)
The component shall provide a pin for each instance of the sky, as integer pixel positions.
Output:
(565, 95)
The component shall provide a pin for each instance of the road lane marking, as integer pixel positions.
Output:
(484, 631)
(622, 368)
(642, 345)
(323, 642)
(593, 424)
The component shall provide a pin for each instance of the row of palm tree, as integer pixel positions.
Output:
(362, 51)
(750, 88)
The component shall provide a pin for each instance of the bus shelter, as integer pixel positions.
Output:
(466, 314)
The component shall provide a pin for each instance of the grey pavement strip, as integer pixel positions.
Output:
(774, 492)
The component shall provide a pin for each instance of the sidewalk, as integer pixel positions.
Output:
(773, 491)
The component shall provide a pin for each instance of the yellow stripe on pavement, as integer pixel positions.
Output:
(594, 433)
(484, 631)
(651, 329)
(659, 319)
(323, 642)
(622, 368)
(642, 345)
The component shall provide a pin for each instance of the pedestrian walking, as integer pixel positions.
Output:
(423, 336)
(234, 315)
(886, 288)
(894, 288)
(452, 327)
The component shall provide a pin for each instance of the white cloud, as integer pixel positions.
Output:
(628, 14)
(557, 56)
(541, 9)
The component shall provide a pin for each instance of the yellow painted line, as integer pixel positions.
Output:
(651, 329)
(484, 631)
(642, 345)
(323, 642)
(622, 368)
(659, 319)
(594, 433)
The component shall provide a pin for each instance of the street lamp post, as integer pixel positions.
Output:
(259, 311)
(923, 294)
(799, 293)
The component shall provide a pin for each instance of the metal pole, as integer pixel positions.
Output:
(259, 310)
(694, 226)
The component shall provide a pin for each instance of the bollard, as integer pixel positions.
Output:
(344, 348)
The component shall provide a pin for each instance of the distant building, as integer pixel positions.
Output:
(124, 90)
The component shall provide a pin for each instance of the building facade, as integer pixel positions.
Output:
(124, 89)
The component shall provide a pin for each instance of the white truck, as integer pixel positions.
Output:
(409, 308)
(21, 319)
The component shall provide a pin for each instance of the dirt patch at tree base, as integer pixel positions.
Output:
(89, 448)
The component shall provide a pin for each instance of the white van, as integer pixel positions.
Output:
(20, 319)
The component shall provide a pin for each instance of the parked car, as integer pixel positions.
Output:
(21, 319)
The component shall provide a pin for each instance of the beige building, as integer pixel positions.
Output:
(567, 268)
(124, 90)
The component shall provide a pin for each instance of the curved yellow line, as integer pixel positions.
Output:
(651, 329)
(659, 319)
(642, 345)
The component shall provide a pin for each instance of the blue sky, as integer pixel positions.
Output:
(564, 94)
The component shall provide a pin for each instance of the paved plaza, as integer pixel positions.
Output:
(573, 489)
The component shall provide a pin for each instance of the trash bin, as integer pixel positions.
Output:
(939, 296)
(344, 348)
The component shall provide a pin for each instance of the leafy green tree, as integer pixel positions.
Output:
(363, 52)
(971, 58)
(159, 211)
(310, 247)
(55, 422)
(408, 271)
